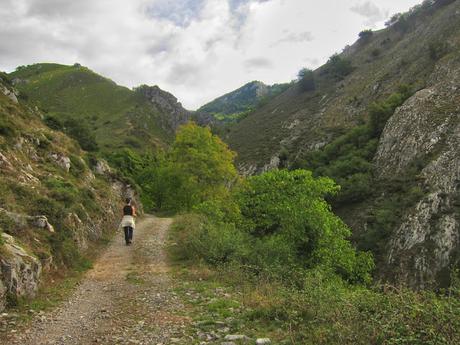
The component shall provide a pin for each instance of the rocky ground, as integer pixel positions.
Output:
(125, 299)
(130, 297)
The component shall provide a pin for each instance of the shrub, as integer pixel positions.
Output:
(199, 239)
(365, 35)
(338, 66)
(62, 191)
(7, 128)
(375, 52)
(438, 49)
(81, 132)
(288, 209)
(380, 112)
(306, 80)
(54, 123)
(77, 166)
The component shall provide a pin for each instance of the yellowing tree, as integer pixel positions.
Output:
(203, 164)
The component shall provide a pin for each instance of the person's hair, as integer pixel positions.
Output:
(128, 200)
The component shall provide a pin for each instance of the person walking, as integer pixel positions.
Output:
(127, 223)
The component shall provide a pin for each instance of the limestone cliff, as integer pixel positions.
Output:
(167, 104)
(426, 131)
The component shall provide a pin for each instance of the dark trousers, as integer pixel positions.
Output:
(128, 233)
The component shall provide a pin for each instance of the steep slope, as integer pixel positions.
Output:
(400, 186)
(298, 121)
(56, 201)
(234, 105)
(425, 132)
(144, 118)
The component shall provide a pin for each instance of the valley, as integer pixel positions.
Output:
(323, 210)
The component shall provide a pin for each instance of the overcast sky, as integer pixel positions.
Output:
(196, 49)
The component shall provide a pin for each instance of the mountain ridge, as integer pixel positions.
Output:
(234, 105)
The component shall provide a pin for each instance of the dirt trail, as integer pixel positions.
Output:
(125, 299)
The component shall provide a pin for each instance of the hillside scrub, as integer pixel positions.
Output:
(325, 310)
(348, 159)
(272, 230)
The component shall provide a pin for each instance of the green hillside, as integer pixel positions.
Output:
(54, 204)
(235, 105)
(298, 121)
(115, 115)
(381, 119)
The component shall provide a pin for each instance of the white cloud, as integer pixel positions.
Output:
(196, 49)
(371, 12)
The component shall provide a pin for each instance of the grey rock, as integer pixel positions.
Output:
(61, 160)
(425, 131)
(232, 337)
(102, 167)
(168, 104)
(263, 341)
(11, 94)
(19, 271)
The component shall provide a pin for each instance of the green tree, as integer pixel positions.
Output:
(287, 212)
(202, 164)
(306, 80)
(365, 35)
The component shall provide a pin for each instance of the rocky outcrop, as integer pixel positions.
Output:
(61, 160)
(424, 134)
(165, 103)
(19, 271)
(21, 221)
(11, 94)
(102, 168)
(174, 114)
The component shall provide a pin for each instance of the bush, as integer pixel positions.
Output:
(199, 239)
(62, 191)
(306, 80)
(77, 166)
(365, 35)
(380, 112)
(375, 52)
(338, 67)
(7, 128)
(438, 49)
(54, 123)
(81, 132)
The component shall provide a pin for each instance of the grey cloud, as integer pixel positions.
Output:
(257, 63)
(56, 8)
(370, 11)
(293, 37)
(163, 45)
(237, 3)
(183, 73)
(179, 12)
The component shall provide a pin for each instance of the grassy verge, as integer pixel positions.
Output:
(56, 286)
(323, 310)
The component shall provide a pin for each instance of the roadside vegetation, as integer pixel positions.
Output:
(282, 257)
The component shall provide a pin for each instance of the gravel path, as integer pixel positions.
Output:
(126, 298)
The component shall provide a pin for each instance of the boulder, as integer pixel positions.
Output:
(8, 93)
(21, 221)
(61, 160)
(102, 168)
(42, 223)
(19, 271)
